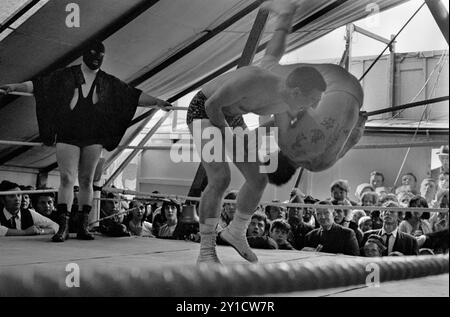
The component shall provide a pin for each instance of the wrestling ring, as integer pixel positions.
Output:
(162, 268)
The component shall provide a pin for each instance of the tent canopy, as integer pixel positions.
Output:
(162, 47)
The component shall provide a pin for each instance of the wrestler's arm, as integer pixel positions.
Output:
(147, 100)
(277, 44)
(26, 87)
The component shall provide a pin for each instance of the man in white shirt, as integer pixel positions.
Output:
(21, 222)
(394, 240)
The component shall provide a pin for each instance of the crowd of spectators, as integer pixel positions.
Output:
(362, 231)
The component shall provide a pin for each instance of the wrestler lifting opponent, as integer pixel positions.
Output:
(83, 110)
(315, 108)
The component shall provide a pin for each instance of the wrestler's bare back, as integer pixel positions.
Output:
(249, 89)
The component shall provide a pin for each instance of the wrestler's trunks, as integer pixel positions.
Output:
(196, 111)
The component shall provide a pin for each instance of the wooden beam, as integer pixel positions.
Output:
(371, 35)
(392, 76)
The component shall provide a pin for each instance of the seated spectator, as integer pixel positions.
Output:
(136, 223)
(341, 217)
(339, 191)
(330, 237)
(44, 204)
(228, 210)
(413, 222)
(274, 212)
(279, 231)
(358, 214)
(443, 181)
(376, 179)
(428, 190)
(403, 201)
(439, 221)
(371, 199)
(156, 204)
(393, 239)
(170, 213)
(299, 228)
(15, 221)
(26, 200)
(410, 180)
(365, 224)
(374, 247)
(309, 215)
(113, 226)
(361, 189)
(257, 233)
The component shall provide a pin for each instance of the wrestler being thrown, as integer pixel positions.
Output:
(82, 110)
(315, 108)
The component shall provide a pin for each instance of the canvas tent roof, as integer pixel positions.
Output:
(162, 47)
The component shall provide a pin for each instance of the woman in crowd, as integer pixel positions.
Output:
(413, 222)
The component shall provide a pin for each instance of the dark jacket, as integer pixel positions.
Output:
(113, 113)
(404, 243)
(336, 240)
(298, 234)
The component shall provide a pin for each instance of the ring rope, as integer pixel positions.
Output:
(26, 94)
(431, 143)
(219, 280)
(369, 208)
(142, 195)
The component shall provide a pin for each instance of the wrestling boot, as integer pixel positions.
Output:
(63, 222)
(83, 224)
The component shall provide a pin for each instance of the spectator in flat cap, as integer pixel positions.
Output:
(15, 221)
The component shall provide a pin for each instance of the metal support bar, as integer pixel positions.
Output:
(136, 152)
(254, 38)
(371, 34)
(18, 15)
(440, 14)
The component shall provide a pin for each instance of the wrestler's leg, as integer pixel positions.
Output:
(218, 174)
(89, 158)
(248, 199)
(67, 157)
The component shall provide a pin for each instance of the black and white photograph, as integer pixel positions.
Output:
(224, 156)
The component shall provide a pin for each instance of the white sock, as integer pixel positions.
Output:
(208, 237)
(239, 224)
(235, 235)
